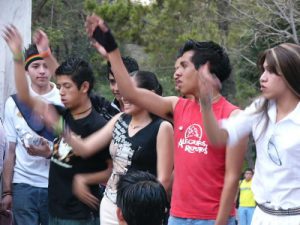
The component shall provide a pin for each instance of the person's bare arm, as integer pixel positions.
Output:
(234, 162)
(165, 159)
(206, 83)
(41, 40)
(15, 43)
(8, 171)
(161, 106)
(82, 181)
(91, 144)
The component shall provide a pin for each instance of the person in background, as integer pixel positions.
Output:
(246, 199)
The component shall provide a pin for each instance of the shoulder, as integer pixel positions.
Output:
(165, 126)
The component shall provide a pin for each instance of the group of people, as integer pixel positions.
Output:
(66, 143)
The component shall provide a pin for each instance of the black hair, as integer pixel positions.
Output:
(141, 198)
(79, 71)
(30, 51)
(129, 62)
(208, 51)
(249, 170)
(147, 80)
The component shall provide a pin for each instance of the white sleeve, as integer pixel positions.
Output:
(9, 125)
(240, 126)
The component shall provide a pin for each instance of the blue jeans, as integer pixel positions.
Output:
(30, 205)
(184, 221)
(245, 215)
(58, 221)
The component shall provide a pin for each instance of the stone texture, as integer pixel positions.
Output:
(18, 13)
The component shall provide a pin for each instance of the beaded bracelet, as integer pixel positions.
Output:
(45, 53)
(19, 57)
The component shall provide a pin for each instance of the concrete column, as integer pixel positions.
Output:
(18, 13)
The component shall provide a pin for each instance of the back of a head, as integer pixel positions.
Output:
(129, 62)
(79, 71)
(209, 51)
(31, 54)
(141, 198)
(147, 80)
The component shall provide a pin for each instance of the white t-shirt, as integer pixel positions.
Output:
(32, 170)
(274, 185)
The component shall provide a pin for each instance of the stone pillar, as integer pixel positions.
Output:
(18, 13)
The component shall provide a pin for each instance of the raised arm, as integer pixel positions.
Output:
(15, 43)
(161, 106)
(216, 135)
(41, 40)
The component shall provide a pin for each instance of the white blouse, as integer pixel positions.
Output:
(276, 181)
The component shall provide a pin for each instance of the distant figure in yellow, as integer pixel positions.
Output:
(246, 199)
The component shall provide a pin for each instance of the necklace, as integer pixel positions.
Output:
(76, 114)
(138, 126)
(135, 126)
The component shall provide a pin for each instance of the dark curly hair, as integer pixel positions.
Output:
(208, 51)
(79, 71)
(129, 62)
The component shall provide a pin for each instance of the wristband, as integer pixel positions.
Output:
(5, 193)
(106, 39)
(46, 53)
(19, 57)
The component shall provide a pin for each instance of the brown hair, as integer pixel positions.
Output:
(283, 60)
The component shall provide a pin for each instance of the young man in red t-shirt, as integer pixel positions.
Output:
(205, 177)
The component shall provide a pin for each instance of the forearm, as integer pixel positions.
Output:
(51, 62)
(122, 77)
(8, 168)
(234, 162)
(97, 177)
(216, 135)
(227, 199)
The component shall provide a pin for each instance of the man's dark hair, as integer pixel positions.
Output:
(129, 62)
(79, 71)
(249, 170)
(29, 52)
(141, 198)
(209, 51)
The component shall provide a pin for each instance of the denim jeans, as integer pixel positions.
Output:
(184, 221)
(30, 205)
(245, 215)
(58, 221)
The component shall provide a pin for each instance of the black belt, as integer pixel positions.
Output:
(280, 212)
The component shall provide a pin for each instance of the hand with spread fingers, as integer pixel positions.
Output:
(14, 40)
(82, 191)
(206, 82)
(41, 40)
(42, 150)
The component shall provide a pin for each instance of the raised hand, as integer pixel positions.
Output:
(41, 40)
(100, 49)
(13, 39)
(206, 83)
(99, 31)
